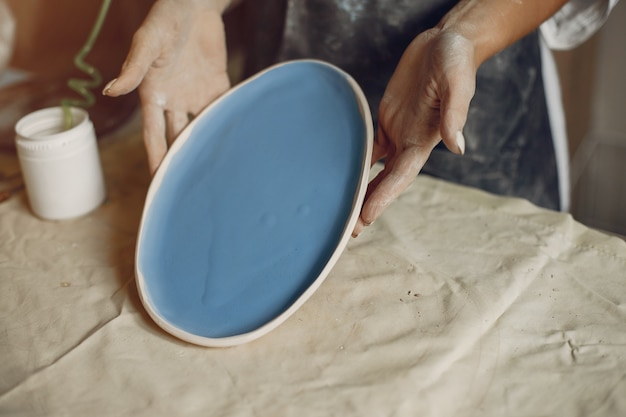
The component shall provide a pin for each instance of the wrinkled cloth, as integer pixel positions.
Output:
(454, 303)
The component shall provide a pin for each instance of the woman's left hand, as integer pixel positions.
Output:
(426, 101)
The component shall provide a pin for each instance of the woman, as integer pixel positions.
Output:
(467, 74)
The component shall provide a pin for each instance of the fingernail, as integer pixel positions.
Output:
(358, 228)
(107, 87)
(460, 142)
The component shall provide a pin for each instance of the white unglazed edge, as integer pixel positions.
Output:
(343, 242)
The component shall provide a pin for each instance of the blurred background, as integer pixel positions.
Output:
(593, 80)
(47, 34)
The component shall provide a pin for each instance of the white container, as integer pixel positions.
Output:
(61, 168)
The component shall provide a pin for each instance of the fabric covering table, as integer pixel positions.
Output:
(454, 303)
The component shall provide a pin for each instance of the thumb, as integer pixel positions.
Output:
(454, 108)
(143, 52)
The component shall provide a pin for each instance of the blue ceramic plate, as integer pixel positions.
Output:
(254, 204)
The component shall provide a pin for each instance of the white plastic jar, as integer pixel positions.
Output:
(61, 168)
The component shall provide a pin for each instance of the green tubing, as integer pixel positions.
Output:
(83, 87)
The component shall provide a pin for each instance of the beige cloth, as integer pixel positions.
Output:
(455, 303)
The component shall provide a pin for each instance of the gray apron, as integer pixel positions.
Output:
(509, 149)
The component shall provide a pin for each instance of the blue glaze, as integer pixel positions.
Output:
(253, 204)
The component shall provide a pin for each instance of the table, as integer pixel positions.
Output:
(454, 303)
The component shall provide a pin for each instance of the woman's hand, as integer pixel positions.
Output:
(178, 60)
(426, 101)
(428, 96)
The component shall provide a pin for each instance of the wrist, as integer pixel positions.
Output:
(479, 37)
(492, 25)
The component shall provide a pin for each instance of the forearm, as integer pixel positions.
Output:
(492, 25)
(219, 6)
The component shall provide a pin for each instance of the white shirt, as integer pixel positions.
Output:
(575, 22)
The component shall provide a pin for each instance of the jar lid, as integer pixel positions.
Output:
(43, 133)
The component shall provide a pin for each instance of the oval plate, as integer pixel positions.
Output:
(254, 203)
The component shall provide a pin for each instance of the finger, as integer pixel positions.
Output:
(143, 52)
(361, 224)
(379, 151)
(381, 145)
(154, 139)
(454, 108)
(175, 122)
(403, 170)
(358, 228)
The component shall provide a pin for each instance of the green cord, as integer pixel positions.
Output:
(82, 87)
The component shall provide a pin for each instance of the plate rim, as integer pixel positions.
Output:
(349, 225)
